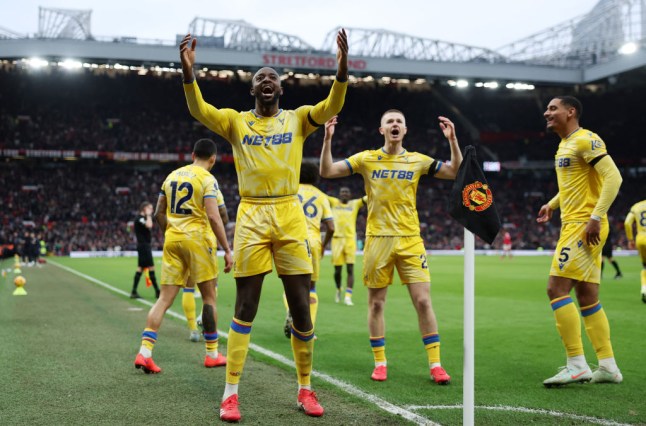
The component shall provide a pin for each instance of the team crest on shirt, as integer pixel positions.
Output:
(379, 157)
(477, 196)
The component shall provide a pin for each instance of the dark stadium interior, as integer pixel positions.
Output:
(77, 205)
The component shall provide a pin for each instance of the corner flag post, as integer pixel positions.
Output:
(468, 391)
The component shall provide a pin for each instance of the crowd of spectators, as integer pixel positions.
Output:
(88, 204)
(77, 206)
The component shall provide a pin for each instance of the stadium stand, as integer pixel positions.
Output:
(76, 205)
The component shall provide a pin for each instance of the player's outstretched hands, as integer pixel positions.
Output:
(187, 55)
(329, 128)
(544, 214)
(228, 262)
(342, 54)
(448, 128)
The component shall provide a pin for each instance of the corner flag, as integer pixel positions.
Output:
(471, 201)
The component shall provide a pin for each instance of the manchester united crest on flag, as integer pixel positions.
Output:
(477, 196)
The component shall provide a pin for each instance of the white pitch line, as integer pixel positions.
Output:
(588, 419)
(384, 405)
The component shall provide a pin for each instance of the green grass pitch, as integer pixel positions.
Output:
(67, 350)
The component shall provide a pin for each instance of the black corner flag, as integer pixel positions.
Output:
(471, 201)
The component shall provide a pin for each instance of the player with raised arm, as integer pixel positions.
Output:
(391, 175)
(637, 216)
(267, 144)
(344, 243)
(588, 182)
(186, 210)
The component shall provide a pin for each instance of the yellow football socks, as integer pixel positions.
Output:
(303, 349)
(432, 346)
(237, 348)
(598, 329)
(188, 304)
(568, 324)
(378, 345)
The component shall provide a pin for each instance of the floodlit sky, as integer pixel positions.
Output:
(490, 24)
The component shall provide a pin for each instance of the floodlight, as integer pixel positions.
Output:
(628, 48)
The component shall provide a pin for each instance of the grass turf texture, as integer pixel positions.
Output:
(69, 347)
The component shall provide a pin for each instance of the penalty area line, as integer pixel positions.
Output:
(404, 412)
(552, 413)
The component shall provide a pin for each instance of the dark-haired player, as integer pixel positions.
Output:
(267, 144)
(186, 209)
(588, 182)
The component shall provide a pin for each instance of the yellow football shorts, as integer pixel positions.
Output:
(181, 259)
(267, 227)
(574, 258)
(344, 250)
(382, 254)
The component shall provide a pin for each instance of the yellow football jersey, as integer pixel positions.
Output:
(267, 151)
(391, 185)
(316, 208)
(637, 214)
(185, 190)
(345, 216)
(579, 183)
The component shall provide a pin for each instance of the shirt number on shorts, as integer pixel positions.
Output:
(564, 256)
(177, 208)
(422, 257)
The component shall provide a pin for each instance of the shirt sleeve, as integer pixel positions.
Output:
(217, 120)
(628, 225)
(210, 187)
(591, 147)
(327, 209)
(427, 162)
(355, 162)
(328, 108)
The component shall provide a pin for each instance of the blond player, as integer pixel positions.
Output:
(588, 182)
(187, 212)
(267, 144)
(637, 216)
(391, 175)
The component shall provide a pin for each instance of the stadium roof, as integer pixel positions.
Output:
(585, 49)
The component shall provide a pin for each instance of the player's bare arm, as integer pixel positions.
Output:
(450, 171)
(213, 214)
(160, 213)
(329, 224)
(342, 55)
(328, 168)
(187, 55)
(224, 214)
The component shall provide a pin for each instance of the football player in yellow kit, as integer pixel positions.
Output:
(588, 182)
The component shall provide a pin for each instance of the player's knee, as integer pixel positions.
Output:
(377, 306)
(423, 304)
